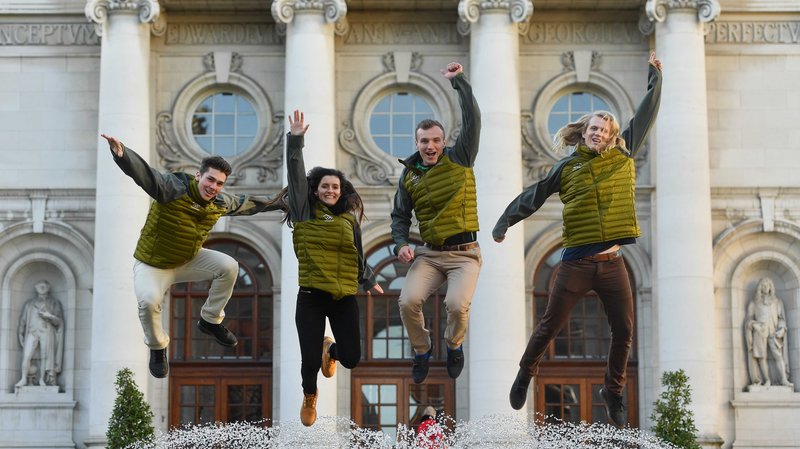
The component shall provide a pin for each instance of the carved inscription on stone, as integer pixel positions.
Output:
(583, 33)
(753, 33)
(401, 33)
(48, 34)
(222, 33)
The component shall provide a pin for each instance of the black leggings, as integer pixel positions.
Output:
(312, 307)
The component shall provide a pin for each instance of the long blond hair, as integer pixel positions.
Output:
(571, 134)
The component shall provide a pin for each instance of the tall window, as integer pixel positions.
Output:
(573, 369)
(209, 382)
(225, 124)
(393, 120)
(573, 106)
(384, 395)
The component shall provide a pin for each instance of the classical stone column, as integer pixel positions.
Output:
(310, 87)
(683, 240)
(124, 112)
(497, 324)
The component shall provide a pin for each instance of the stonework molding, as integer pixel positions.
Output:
(97, 11)
(589, 33)
(235, 64)
(421, 33)
(469, 12)
(372, 165)
(48, 34)
(707, 10)
(224, 34)
(180, 152)
(389, 62)
(568, 60)
(283, 11)
(753, 32)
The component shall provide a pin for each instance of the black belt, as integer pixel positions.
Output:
(458, 239)
(461, 247)
(605, 257)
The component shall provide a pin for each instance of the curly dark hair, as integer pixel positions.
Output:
(349, 200)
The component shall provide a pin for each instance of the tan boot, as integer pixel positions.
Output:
(328, 362)
(308, 412)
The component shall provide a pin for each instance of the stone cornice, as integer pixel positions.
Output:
(283, 11)
(707, 10)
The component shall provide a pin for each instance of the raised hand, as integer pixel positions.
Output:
(297, 126)
(114, 144)
(655, 62)
(452, 70)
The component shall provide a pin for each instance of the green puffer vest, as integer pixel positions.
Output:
(326, 250)
(445, 200)
(598, 193)
(174, 232)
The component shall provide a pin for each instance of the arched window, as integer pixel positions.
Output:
(384, 393)
(393, 119)
(209, 382)
(225, 124)
(571, 107)
(573, 368)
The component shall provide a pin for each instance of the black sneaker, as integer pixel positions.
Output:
(159, 364)
(455, 361)
(219, 332)
(615, 409)
(519, 389)
(419, 370)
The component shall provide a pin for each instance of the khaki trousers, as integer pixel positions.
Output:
(151, 283)
(428, 272)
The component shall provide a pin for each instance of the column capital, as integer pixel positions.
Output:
(707, 10)
(98, 10)
(519, 10)
(283, 10)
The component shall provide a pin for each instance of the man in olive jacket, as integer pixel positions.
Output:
(170, 249)
(438, 185)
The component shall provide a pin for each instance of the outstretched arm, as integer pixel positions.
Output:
(162, 187)
(638, 127)
(299, 208)
(465, 150)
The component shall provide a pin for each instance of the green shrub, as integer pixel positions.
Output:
(674, 422)
(131, 420)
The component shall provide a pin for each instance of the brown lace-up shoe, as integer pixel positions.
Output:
(308, 412)
(328, 362)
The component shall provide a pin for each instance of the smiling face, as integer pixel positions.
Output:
(210, 183)
(430, 144)
(597, 134)
(329, 190)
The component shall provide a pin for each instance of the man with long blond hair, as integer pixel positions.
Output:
(596, 183)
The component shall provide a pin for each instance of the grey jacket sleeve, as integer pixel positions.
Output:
(365, 275)
(401, 214)
(248, 204)
(162, 187)
(638, 127)
(299, 208)
(530, 200)
(465, 149)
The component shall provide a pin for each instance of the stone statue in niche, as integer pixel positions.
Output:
(41, 326)
(765, 334)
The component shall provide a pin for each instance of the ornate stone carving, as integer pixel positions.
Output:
(389, 63)
(536, 160)
(469, 11)
(369, 170)
(236, 62)
(283, 10)
(41, 327)
(707, 10)
(97, 11)
(568, 60)
(765, 334)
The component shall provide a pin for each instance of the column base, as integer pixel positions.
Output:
(36, 417)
